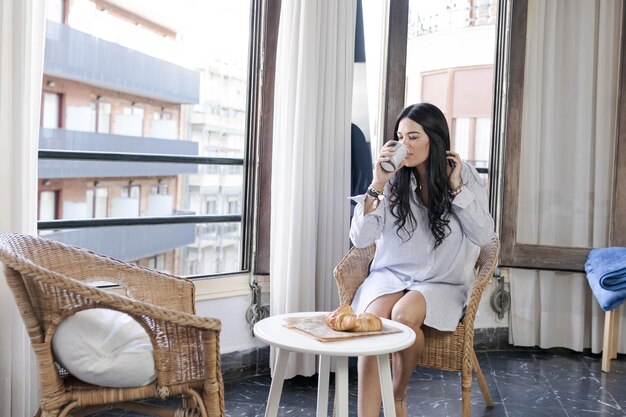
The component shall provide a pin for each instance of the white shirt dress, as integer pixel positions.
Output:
(443, 275)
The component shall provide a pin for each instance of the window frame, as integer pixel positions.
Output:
(534, 256)
(256, 162)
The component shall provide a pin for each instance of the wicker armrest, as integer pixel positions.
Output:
(149, 286)
(105, 299)
(485, 265)
(352, 271)
(139, 283)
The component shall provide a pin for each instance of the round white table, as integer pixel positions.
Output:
(272, 331)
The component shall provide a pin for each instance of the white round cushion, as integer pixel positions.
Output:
(106, 348)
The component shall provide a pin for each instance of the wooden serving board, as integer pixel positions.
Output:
(315, 327)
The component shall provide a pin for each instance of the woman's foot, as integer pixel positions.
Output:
(400, 403)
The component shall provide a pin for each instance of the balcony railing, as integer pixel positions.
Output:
(129, 243)
(78, 56)
(69, 140)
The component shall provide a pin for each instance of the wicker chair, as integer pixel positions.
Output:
(449, 351)
(50, 281)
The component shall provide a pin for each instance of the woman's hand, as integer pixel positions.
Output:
(454, 169)
(380, 175)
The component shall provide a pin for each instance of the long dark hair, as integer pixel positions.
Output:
(436, 127)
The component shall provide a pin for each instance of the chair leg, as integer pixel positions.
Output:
(466, 394)
(608, 339)
(481, 380)
(67, 409)
(615, 332)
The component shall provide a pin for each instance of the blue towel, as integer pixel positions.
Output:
(606, 273)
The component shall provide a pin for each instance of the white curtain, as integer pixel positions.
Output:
(566, 169)
(310, 157)
(21, 68)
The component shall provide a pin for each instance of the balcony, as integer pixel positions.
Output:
(77, 56)
(128, 243)
(70, 140)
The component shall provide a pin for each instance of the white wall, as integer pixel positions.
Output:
(485, 316)
(231, 311)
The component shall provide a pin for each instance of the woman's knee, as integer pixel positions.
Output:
(411, 314)
(408, 318)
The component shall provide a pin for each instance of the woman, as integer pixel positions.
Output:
(428, 219)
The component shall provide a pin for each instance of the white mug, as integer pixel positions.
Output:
(399, 154)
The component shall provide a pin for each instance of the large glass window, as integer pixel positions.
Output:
(151, 159)
(449, 63)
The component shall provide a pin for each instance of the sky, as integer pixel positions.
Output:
(208, 30)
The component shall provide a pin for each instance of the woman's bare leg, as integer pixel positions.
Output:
(410, 310)
(369, 399)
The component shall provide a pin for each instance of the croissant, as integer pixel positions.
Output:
(368, 322)
(344, 319)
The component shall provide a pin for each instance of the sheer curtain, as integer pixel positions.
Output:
(21, 67)
(311, 157)
(566, 174)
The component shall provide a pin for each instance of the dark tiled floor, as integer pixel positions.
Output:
(523, 383)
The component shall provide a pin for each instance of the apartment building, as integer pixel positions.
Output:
(109, 87)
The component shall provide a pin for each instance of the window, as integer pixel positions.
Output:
(459, 82)
(471, 138)
(131, 191)
(157, 262)
(129, 121)
(100, 117)
(233, 207)
(159, 189)
(51, 110)
(162, 115)
(194, 267)
(133, 111)
(129, 204)
(482, 141)
(565, 228)
(461, 142)
(211, 207)
(483, 12)
(48, 208)
(97, 202)
(162, 128)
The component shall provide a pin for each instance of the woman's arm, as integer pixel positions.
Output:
(471, 205)
(367, 221)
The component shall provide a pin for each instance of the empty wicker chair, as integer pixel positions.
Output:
(449, 351)
(50, 282)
